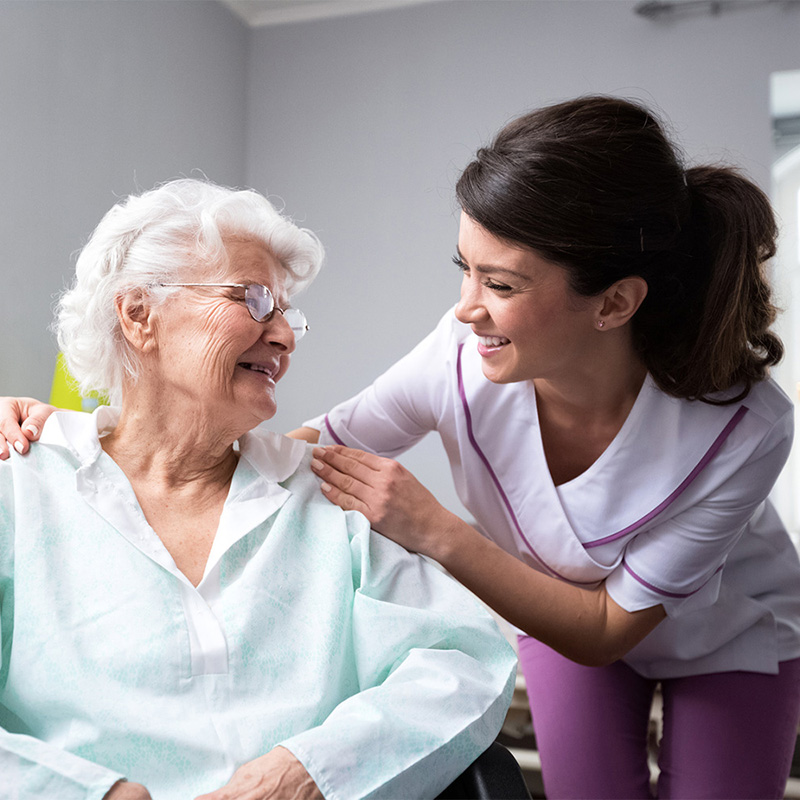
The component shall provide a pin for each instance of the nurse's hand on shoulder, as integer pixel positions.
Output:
(386, 493)
(21, 421)
(276, 776)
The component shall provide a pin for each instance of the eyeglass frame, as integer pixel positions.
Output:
(299, 333)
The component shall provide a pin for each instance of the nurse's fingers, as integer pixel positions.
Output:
(342, 481)
(360, 465)
(21, 421)
(344, 500)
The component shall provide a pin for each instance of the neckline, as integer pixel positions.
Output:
(613, 446)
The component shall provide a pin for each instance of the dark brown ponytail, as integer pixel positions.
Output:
(737, 237)
(595, 186)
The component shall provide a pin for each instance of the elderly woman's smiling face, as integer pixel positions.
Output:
(210, 351)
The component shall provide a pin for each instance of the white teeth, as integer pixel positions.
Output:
(267, 370)
(493, 341)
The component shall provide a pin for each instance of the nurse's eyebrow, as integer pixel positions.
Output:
(490, 269)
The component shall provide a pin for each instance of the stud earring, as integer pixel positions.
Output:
(600, 323)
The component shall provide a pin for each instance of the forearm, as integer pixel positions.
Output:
(278, 775)
(584, 625)
(310, 435)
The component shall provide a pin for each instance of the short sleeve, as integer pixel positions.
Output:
(679, 563)
(402, 405)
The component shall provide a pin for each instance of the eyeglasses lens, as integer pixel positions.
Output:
(261, 305)
(259, 301)
(297, 322)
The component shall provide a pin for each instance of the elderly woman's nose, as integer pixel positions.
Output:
(278, 332)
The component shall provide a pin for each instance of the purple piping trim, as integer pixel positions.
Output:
(665, 593)
(710, 453)
(491, 472)
(332, 432)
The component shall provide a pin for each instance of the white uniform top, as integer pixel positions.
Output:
(674, 512)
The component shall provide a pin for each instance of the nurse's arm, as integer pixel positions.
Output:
(585, 625)
(310, 435)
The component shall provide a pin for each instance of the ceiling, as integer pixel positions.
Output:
(260, 13)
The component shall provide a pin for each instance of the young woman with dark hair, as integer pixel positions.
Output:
(602, 392)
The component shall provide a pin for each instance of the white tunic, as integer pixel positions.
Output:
(674, 512)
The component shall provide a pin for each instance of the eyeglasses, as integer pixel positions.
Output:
(261, 305)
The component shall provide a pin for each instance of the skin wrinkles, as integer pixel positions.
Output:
(203, 334)
(189, 349)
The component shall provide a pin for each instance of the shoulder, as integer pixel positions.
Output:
(729, 436)
(446, 337)
(762, 419)
(767, 401)
(308, 498)
(671, 441)
(763, 408)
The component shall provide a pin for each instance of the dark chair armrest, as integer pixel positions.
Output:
(494, 775)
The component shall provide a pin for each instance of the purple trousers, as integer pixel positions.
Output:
(726, 735)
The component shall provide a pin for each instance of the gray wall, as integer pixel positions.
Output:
(361, 125)
(97, 99)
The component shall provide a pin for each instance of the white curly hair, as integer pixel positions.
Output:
(175, 230)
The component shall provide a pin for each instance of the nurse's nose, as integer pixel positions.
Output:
(469, 308)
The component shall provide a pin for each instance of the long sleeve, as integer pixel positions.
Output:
(435, 679)
(403, 404)
(30, 767)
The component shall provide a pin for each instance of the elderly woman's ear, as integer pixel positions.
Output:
(136, 319)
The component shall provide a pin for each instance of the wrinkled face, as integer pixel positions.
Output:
(211, 351)
(529, 322)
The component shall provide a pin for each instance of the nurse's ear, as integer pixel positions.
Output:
(136, 320)
(620, 301)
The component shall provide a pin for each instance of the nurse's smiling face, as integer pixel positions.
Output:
(529, 322)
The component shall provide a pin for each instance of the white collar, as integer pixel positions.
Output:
(266, 459)
(274, 456)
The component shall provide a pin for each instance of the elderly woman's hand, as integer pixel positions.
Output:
(26, 412)
(124, 790)
(387, 494)
(276, 776)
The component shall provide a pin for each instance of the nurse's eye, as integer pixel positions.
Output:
(497, 287)
(460, 264)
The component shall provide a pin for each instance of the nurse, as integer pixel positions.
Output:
(602, 392)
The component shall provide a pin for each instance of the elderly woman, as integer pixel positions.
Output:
(182, 613)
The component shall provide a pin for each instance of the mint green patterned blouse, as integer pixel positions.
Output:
(381, 674)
